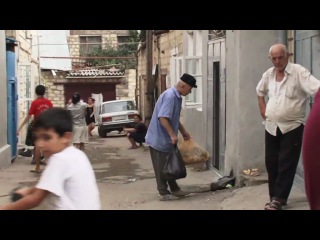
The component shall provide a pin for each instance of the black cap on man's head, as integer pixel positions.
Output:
(190, 80)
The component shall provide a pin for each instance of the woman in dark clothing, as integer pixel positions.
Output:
(90, 120)
(138, 133)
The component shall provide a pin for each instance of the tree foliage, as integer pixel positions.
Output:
(123, 50)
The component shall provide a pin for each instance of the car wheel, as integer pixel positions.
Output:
(102, 133)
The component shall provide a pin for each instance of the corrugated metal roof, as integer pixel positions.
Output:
(96, 72)
(54, 43)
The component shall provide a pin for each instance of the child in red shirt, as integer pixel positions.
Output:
(37, 107)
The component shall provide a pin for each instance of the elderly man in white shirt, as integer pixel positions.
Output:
(288, 87)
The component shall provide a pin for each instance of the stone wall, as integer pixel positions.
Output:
(126, 90)
(168, 42)
(99, 32)
(163, 45)
(74, 49)
(55, 92)
(108, 40)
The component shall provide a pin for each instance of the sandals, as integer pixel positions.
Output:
(35, 171)
(273, 205)
(41, 163)
(254, 172)
(133, 147)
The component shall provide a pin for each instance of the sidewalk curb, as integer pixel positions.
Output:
(247, 181)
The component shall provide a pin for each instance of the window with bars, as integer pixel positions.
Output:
(123, 42)
(89, 43)
(123, 39)
(191, 65)
(214, 34)
(25, 87)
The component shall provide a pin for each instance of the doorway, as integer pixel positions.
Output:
(216, 115)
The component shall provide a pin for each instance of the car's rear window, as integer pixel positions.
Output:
(117, 107)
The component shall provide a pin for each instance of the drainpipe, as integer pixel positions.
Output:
(283, 37)
(39, 58)
(150, 80)
(137, 82)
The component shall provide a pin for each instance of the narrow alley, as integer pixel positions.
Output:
(126, 182)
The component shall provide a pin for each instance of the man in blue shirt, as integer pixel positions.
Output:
(163, 130)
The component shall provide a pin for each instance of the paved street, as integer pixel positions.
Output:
(126, 182)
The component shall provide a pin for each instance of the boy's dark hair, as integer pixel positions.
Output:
(56, 118)
(40, 90)
(75, 98)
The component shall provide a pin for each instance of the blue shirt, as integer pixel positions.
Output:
(169, 106)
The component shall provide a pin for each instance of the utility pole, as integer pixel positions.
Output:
(150, 81)
(39, 69)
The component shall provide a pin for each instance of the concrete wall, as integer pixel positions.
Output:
(27, 71)
(246, 61)
(194, 117)
(194, 122)
(5, 155)
(27, 57)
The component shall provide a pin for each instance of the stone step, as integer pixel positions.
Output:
(246, 181)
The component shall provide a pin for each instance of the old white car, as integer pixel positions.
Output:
(115, 115)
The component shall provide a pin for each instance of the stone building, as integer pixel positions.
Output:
(112, 84)
(167, 47)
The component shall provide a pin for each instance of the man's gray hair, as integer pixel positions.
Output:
(284, 48)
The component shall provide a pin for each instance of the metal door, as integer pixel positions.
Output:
(307, 47)
(86, 90)
(216, 103)
(12, 104)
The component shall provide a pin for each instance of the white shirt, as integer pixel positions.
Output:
(70, 179)
(78, 112)
(278, 84)
(286, 107)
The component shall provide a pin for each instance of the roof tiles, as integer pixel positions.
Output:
(96, 72)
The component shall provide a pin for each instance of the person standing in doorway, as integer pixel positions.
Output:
(288, 86)
(163, 130)
(37, 107)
